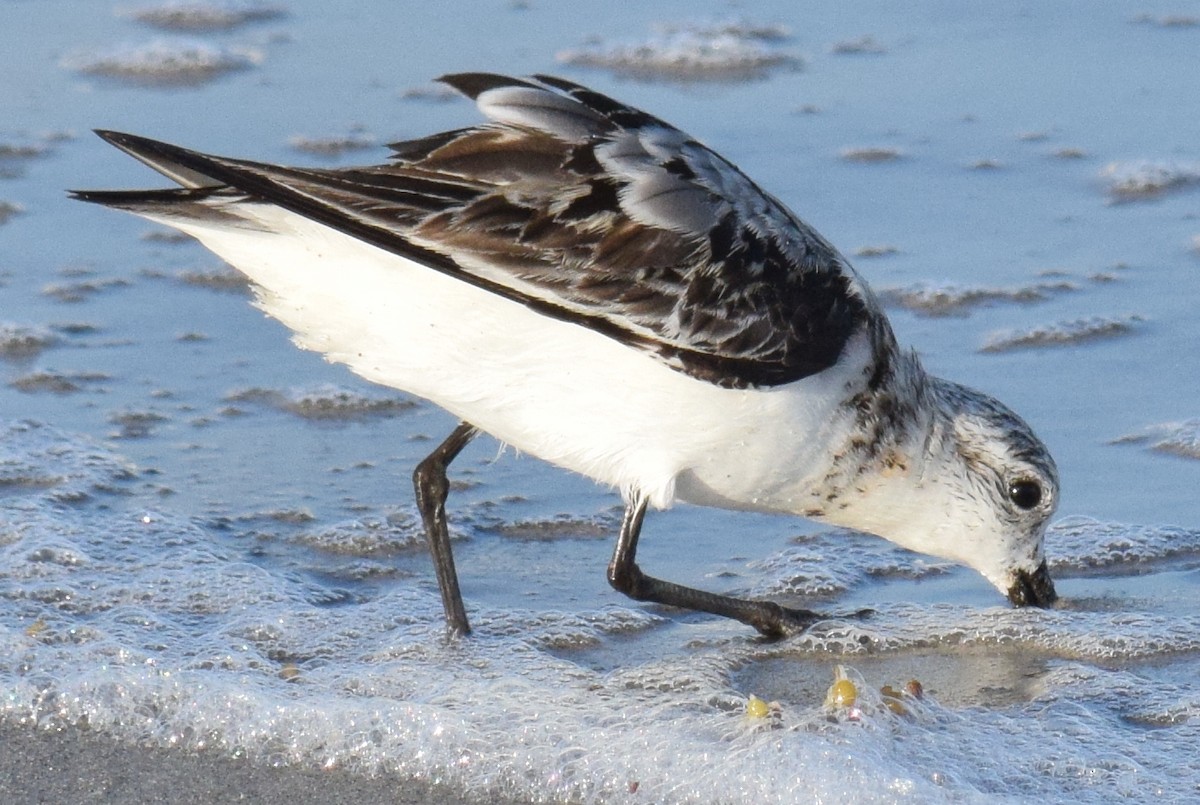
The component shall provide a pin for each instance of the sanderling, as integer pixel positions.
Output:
(593, 286)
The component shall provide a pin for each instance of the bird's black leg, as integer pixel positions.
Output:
(624, 575)
(432, 486)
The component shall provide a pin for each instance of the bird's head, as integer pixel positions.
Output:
(998, 486)
(970, 482)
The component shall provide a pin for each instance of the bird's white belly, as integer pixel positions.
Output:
(553, 389)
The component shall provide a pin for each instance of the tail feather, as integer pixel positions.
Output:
(128, 199)
(175, 206)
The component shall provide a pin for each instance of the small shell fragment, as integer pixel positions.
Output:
(757, 708)
(842, 693)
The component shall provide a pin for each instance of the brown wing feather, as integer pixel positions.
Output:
(594, 212)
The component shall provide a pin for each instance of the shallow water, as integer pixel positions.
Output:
(207, 538)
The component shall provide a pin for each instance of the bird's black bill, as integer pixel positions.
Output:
(1033, 589)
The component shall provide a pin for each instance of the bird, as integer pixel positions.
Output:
(593, 286)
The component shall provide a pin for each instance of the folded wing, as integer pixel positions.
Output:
(581, 208)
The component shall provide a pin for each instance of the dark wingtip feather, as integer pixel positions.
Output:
(180, 165)
(475, 84)
(94, 196)
(110, 198)
(112, 137)
(142, 148)
(559, 83)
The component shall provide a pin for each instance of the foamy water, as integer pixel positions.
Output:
(155, 628)
(207, 539)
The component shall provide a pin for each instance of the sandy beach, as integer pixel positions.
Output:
(76, 767)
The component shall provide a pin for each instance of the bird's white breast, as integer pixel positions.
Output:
(554, 389)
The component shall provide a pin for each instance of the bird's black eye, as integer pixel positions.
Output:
(1025, 493)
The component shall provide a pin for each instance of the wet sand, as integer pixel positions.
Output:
(38, 766)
